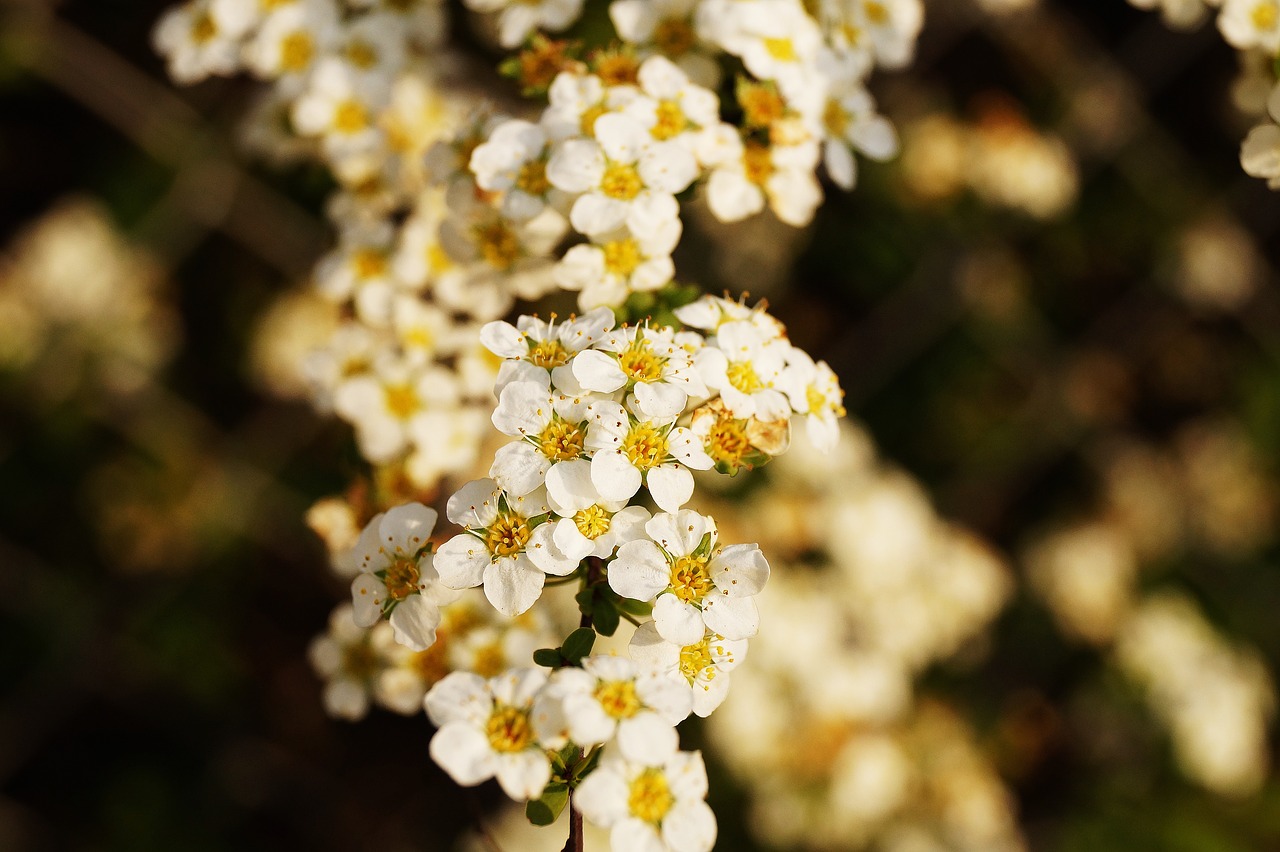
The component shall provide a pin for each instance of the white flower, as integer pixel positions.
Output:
(815, 391)
(656, 804)
(618, 170)
(745, 365)
(292, 38)
(695, 585)
(576, 101)
(1260, 152)
(710, 312)
(540, 350)
(589, 525)
(383, 403)
(618, 263)
(646, 361)
(553, 445)
(703, 665)
(746, 176)
(675, 108)
(486, 729)
(518, 19)
(628, 450)
(506, 547)
(360, 269)
(1251, 23)
(851, 122)
(341, 108)
(351, 660)
(778, 41)
(443, 441)
(194, 43)
(667, 26)
(614, 697)
(397, 575)
(513, 161)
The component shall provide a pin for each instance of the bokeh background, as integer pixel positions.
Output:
(1057, 319)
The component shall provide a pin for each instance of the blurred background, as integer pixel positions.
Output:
(1045, 558)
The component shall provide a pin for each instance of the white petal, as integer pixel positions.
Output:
(519, 468)
(740, 570)
(463, 751)
(598, 372)
(640, 572)
(602, 797)
(732, 618)
(678, 621)
(569, 486)
(660, 399)
(414, 621)
(475, 505)
(513, 584)
(614, 476)
(690, 826)
(524, 775)
(670, 485)
(459, 697)
(461, 561)
(367, 595)
(647, 738)
(543, 551)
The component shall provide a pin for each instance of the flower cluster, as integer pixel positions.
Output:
(1253, 28)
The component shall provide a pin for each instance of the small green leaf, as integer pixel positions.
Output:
(546, 810)
(549, 657)
(579, 642)
(634, 607)
(606, 617)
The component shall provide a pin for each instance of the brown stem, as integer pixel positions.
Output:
(574, 843)
(595, 573)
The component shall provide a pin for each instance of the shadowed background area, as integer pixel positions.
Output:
(1057, 310)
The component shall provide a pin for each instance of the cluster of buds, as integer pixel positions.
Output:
(606, 420)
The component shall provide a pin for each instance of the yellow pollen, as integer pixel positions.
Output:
(498, 244)
(369, 263)
(621, 257)
(728, 442)
(533, 178)
(589, 116)
(419, 338)
(674, 36)
(490, 661)
(360, 662)
(593, 521)
(361, 55)
(757, 163)
(402, 401)
(696, 658)
(690, 579)
(350, 117)
(296, 51)
(508, 729)
(650, 798)
(671, 121)
(761, 104)
(852, 34)
(876, 12)
(781, 49)
(645, 447)
(616, 68)
(1265, 16)
(639, 362)
(203, 29)
(561, 441)
(618, 698)
(818, 401)
(438, 260)
(268, 5)
(621, 181)
(835, 118)
(743, 377)
(508, 535)
(402, 579)
(548, 354)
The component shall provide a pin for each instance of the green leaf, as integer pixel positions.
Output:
(634, 607)
(579, 643)
(549, 657)
(606, 617)
(546, 810)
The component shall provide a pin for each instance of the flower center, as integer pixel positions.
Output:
(296, 50)
(690, 579)
(743, 377)
(671, 121)
(818, 401)
(835, 118)
(621, 181)
(360, 662)
(616, 67)
(728, 442)
(593, 521)
(650, 798)
(1265, 16)
(645, 446)
(203, 29)
(498, 244)
(618, 698)
(508, 535)
(368, 263)
(508, 729)
(761, 104)
(548, 354)
(757, 162)
(432, 664)
(674, 36)
(876, 12)
(621, 257)
(361, 54)
(402, 401)
(533, 178)
(640, 363)
(350, 117)
(402, 579)
(781, 49)
(561, 440)
(694, 659)
(489, 660)
(589, 116)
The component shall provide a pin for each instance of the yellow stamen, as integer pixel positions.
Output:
(508, 729)
(621, 257)
(402, 401)
(533, 178)
(402, 579)
(650, 798)
(561, 441)
(781, 49)
(645, 447)
(498, 244)
(508, 535)
(640, 363)
(621, 181)
(674, 36)
(618, 698)
(671, 121)
(593, 521)
(691, 579)
(743, 377)
(549, 354)
(296, 51)
(350, 117)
